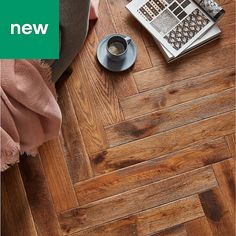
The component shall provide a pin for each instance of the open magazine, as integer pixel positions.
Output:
(178, 26)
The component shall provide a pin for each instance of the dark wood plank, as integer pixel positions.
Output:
(137, 200)
(39, 197)
(170, 118)
(156, 169)
(125, 23)
(71, 139)
(163, 143)
(57, 176)
(217, 213)
(178, 230)
(156, 99)
(16, 217)
(231, 143)
(225, 174)
(198, 227)
(169, 215)
(187, 67)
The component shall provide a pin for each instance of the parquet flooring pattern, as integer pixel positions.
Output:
(145, 152)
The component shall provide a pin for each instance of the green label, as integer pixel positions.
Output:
(29, 29)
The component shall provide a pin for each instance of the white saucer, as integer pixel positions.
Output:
(116, 66)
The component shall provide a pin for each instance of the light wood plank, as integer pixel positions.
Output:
(137, 200)
(217, 213)
(184, 68)
(125, 23)
(16, 217)
(162, 143)
(169, 215)
(198, 227)
(156, 169)
(225, 174)
(57, 176)
(231, 143)
(123, 227)
(71, 139)
(39, 197)
(87, 117)
(170, 118)
(154, 100)
(99, 84)
(123, 83)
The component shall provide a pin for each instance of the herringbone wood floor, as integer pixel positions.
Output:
(145, 152)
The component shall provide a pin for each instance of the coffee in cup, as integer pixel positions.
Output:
(117, 46)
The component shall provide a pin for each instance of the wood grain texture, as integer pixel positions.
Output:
(71, 139)
(16, 216)
(126, 24)
(225, 173)
(146, 152)
(39, 197)
(124, 84)
(169, 215)
(183, 91)
(187, 67)
(100, 86)
(198, 227)
(178, 230)
(231, 143)
(123, 227)
(170, 118)
(217, 213)
(137, 200)
(163, 143)
(57, 176)
(156, 169)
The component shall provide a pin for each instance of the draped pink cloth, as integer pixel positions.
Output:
(30, 114)
(94, 10)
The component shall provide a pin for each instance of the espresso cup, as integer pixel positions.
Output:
(117, 47)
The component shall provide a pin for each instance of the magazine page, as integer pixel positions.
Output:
(175, 23)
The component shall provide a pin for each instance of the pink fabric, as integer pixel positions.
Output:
(94, 10)
(30, 114)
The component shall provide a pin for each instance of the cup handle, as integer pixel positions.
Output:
(128, 39)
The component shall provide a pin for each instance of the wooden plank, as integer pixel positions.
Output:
(184, 68)
(198, 227)
(57, 176)
(123, 83)
(87, 117)
(169, 215)
(231, 143)
(71, 139)
(225, 174)
(125, 23)
(178, 92)
(100, 87)
(156, 169)
(16, 217)
(178, 230)
(123, 227)
(39, 197)
(217, 213)
(137, 200)
(163, 143)
(170, 118)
